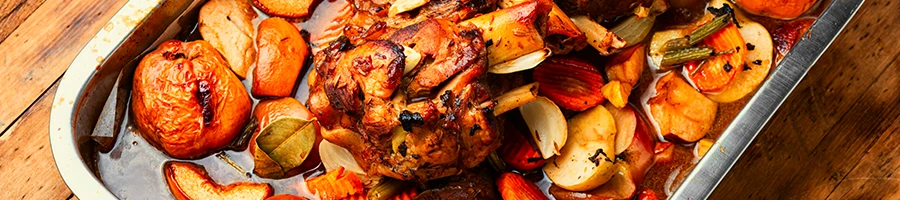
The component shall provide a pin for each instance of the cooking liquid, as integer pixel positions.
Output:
(133, 169)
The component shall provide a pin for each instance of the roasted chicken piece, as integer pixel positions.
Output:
(401, 125)
(401, 13)
(600, 9)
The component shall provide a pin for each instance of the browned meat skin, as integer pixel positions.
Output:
(370, 20)
(600, 9)
(451, 10)
(448, 48)
(364, 102)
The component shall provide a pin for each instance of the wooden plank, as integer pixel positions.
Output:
(13, 13)
(785, 160)
(878, 173)
(41, 49)
(26, 163)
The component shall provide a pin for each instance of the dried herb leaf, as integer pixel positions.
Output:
(287, 142)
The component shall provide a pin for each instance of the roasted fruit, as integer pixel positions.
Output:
(571, 83)
(285, 140)
(780, 9)
(228, 26)
(620, 187)
(627, 65)
(587, 160)
(186, 101)
(517, 153)
(190, 181)
(337, 184)
(756, 65)
(647, 194)
(285, 8)
(634, 144)
(788, 34)
(663, 152)
(717, 72)
(702, 147)
(681, 113)
(513, 186)
(282, 54)
(286, 197)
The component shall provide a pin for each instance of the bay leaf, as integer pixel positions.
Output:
(287, 141)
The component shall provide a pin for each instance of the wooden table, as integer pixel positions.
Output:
(833, 138)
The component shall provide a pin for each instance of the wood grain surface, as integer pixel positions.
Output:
(834, 137)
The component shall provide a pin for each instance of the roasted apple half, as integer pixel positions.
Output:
(187, 102)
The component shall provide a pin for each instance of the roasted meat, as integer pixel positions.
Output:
(407, 12)
(428, 123)
(600, 9)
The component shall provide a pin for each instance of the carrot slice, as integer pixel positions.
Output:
(337, 184)
(718, 71)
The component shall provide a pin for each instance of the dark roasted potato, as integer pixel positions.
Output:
(186, 101)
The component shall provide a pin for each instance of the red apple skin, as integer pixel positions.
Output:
(639, 155)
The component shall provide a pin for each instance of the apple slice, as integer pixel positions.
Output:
(633, 142)
(587, 160)
(681, 112)
(620, 187)
(190, 181)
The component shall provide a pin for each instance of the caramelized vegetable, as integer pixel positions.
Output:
(337, 184)
(606, 42)
(779, 9)
(513, 186)
(717, 72)
(387, 189)
(547, 125)
(190, 181)
(518, 153)
(571, 83)
(755, 68)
